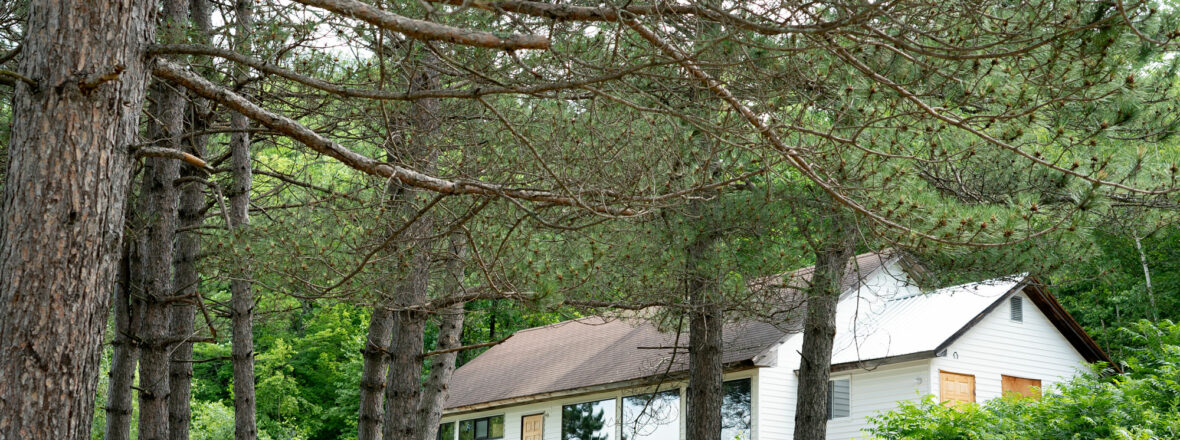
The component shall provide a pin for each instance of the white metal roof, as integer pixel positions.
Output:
(894, 318)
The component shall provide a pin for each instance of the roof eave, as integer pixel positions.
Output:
(647, 381)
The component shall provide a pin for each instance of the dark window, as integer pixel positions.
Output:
(446, 431)
(589, 421)
(652, 416)
(486, 428)
(1016, 308)
(735, 410)
(839, 399)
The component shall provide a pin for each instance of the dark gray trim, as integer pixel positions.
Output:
(871, 364)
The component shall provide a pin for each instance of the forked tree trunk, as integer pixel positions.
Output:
(450, 331)
(188, 247)
(399, 334)
(128, 314)
(64, 196)
(242, 301)
(819, 331)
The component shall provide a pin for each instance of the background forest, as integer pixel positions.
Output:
(294, 219)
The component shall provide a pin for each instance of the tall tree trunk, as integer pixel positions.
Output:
(403, 388)
(373, 374)
(188, 247)
(450, 330)
(819, 331)
(128, 311)
(159, 210)
(242, 301)
(705, 344)
(387, 404)
(64, 195)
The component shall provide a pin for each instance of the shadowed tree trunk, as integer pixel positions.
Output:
(188, 247)
(128, 311)
(403, 387)
(63, 210)
(387, 398)
(158, 208)
(373, 374)
(450, 331)
(819, 331)
(705, 346)
(242, 302)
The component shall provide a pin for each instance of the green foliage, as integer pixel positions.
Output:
(1106, 290)
(1143, 402)
(212, 421)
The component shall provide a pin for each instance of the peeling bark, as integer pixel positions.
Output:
(63, 207)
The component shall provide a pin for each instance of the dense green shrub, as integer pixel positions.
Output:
(1141, 402)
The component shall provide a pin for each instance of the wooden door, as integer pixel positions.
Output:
(1021, 386)
(956, 387)
(532, 427)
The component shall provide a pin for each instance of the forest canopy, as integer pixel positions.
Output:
(296, 219)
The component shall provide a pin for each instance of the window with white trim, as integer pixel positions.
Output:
(839, 398)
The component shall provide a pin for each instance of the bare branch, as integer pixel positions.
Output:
(282, 124)
(428, 31)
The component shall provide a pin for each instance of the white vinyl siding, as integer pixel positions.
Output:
(1016, 308)
(998, 346)
(879, 390)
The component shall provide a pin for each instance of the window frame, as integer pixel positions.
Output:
(616, 424)
(680, 408)
(831, 416)
(750, 414)
(454, 430)
(475, 427)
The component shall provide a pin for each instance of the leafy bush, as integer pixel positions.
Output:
(1141, 403)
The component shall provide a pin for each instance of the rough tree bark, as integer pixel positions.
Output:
(64, 196)
(242, 301)
(450, 331)
(705, 345)
(188, 247)
(159, 199)
(394, 346)
(403, 387)
(128, 311)
(819, 330)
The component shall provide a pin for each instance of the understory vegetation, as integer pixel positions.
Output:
(1141, 402)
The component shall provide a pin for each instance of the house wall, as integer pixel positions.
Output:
(552, 407)
(871, 393)
(998, 346)
(994, 346)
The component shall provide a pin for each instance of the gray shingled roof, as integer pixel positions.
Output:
(595, 351)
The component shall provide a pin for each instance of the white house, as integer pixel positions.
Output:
(597, 379)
